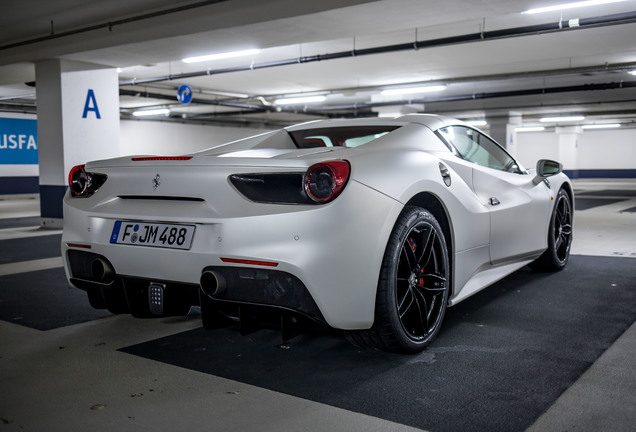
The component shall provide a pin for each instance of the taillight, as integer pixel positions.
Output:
(82, 183)
(78, 180)
(324, 181)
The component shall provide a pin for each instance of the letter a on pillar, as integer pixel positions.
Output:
(90, 99)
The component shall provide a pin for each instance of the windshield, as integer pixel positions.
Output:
(347, 136)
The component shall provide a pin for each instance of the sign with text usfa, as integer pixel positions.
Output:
(18, 141)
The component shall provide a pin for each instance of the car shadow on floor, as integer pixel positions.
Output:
(501, 359)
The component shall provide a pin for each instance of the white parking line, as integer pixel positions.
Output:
(29, 266)
(24, 232)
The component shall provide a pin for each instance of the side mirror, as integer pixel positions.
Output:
(546, 168)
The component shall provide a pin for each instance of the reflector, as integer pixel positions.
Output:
(249, 262)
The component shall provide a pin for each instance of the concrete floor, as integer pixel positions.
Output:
(74, 377)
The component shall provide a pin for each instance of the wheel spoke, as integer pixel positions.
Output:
(409, 255)
(427, 250)
(411, 314)
(560, 212)
(438, 286)
(402, 309)
(423, 312)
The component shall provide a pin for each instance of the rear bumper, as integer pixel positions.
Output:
(332, 253)
(144, 298)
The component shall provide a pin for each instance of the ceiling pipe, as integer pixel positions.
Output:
(162, 96)
(602, 21)
(580, 70)
(245, 108)
(487, 95)
(479, 96)
(324, 111)
(111, 24)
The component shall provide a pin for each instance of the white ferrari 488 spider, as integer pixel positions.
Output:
(369, 226)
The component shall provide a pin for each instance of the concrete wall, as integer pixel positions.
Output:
(136, 138)
(608, 153)
(164, 138)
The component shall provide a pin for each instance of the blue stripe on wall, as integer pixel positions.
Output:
(51, 201)
(594, 173)
(29, 185)
(19, 185)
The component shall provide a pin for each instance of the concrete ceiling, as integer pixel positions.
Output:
(492, 58)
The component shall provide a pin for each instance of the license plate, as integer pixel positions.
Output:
(153, 234)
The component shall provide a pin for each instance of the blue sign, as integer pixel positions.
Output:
(18, 141)
(184, 94)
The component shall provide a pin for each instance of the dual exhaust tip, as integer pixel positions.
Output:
(212, 283)
(102, 271)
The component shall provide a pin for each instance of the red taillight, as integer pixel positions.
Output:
(161, 158)
(324, 181)
(249, 262)
(78, 180)
(84, 184)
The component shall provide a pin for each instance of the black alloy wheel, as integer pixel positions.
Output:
(413, 287)
(562, 228)
(559, 235)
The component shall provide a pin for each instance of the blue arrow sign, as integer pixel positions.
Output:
(184, 94)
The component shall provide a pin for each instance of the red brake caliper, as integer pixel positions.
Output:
(420, 281)
(411, 243)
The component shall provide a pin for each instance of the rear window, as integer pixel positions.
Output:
(347, 136)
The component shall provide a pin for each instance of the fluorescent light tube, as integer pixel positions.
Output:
(152, 112)
(530, 129)
(561, 119)
(221, 56)
(571, 6)
(300, 100)
(477, 122)
(412, 90)
(602, 126)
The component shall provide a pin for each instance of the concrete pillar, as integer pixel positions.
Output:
(78, 121)
(503, 130)
(569, 148)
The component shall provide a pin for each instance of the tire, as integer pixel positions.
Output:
(413, 287)
(559, 236)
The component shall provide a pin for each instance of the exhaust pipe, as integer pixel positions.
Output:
(212, 283)
(101, 271)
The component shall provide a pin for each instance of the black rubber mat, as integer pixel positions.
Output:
(502, 358)
(581, 204)
(30, 248)
(44, 300)
(20, 222)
